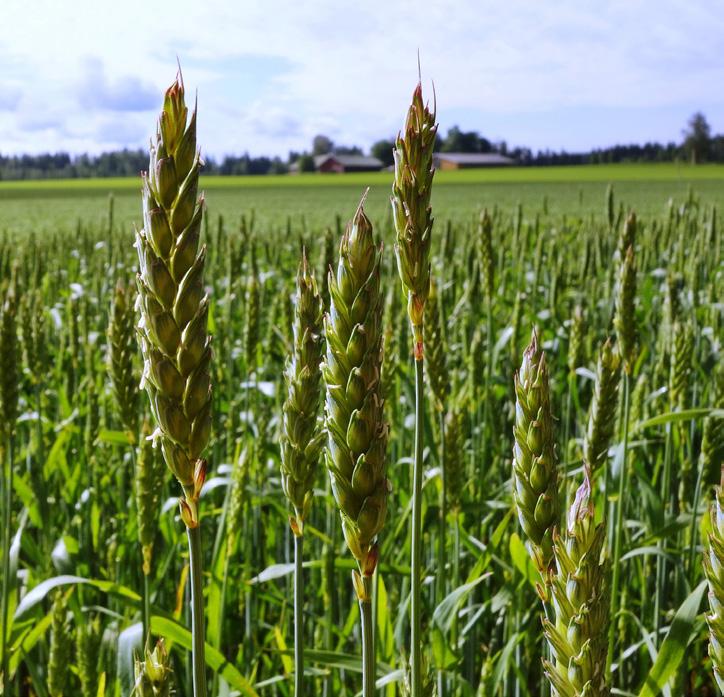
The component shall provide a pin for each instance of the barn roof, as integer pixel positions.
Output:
(474, 158)
(348, 160)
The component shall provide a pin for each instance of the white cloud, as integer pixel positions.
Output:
(127, 93)
(270, 75)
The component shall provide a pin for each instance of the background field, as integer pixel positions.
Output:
(79, 595)
(314, 200)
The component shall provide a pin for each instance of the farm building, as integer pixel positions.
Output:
(338, 164)
(469, 160)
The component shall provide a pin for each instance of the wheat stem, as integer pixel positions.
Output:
(691, 567)
(661, 577)
(146, 606)
(416, 553)
(442, 584)
(299, 616)
(197, 611)
(618, 527)
(368, 645)
(6, 587)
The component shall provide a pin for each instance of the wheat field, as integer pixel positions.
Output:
(538, 503)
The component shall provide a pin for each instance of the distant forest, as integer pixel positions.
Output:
(698, 145)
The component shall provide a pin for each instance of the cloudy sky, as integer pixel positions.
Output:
(87, 76)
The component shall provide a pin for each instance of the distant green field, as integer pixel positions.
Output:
(314, 200)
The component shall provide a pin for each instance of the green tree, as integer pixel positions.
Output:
(464, 141)
(697, 138)
(321, 145)
(306, 163)
(382, 150)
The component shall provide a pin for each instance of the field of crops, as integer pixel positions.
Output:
(373, 519)
(313, 201)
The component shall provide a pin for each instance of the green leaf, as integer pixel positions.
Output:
(113, 437)
(442, 653)
(684, 415)
(56, 459)
(502, 528)
(445, 612)
(385, 631)
(26, 642)
(214, 603)
(38, 594)
(29, 500)
(650, 550)
(675, 643)
(173, 631)
(503, 663)
(341, 661)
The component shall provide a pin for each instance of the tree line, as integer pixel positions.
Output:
(698, 145)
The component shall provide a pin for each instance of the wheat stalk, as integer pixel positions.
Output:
(9, 398)
(624, 322)
(174, 309)
(435, 353)
(355, 425)
(301, 439)
(412, 217)
(485, 254)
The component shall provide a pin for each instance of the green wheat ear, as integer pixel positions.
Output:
(411, 211)
(10, 377)
(356, 429)
(577, 634)
(624, 320)
(88, 643)
(602, 414)
(714, 569)
(153, 673)
(148, 490)
(61, 645)
(121, 350)
(301, 440)
(173, 304)
(576, 337)
(535, 471)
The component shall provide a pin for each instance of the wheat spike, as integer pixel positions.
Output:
(301, 440)
(61, 646)
(153, 673)
(535, 472)
(121, 349)
(577, 634)
(411, 211)
(356, 430)
(602, 413)
(714, 569)
(172, 301)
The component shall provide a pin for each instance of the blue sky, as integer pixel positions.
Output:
(89, 76)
